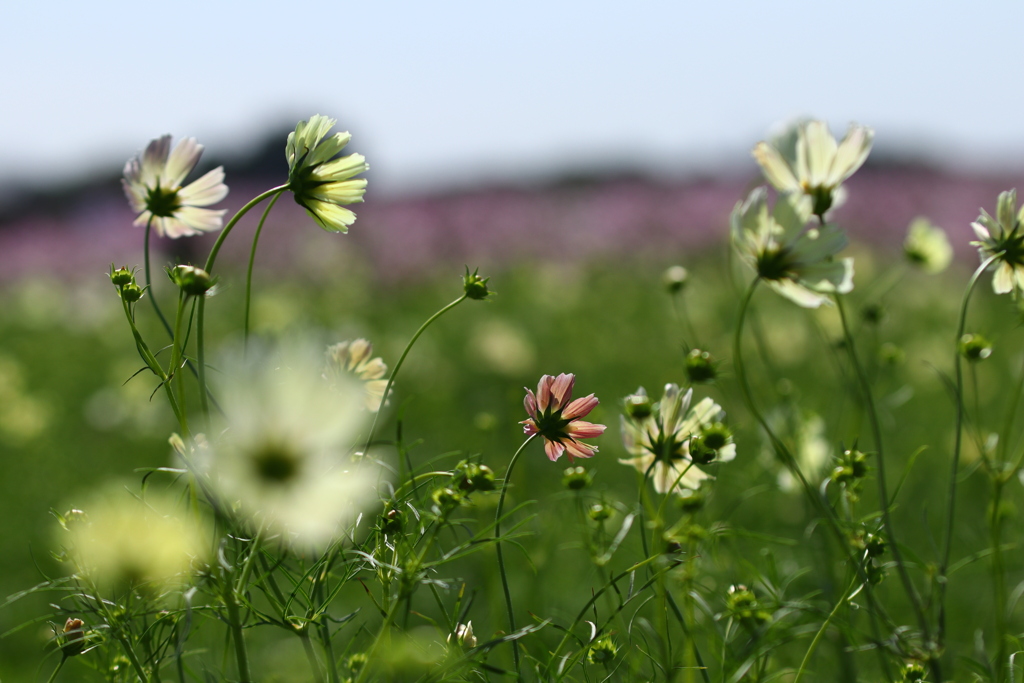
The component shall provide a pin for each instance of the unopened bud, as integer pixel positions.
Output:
(121, 276)
(675, 278)
(576, 478)
(191, 280)
(131, 292)
(475, 286)
(700, 366)
(975, 347)
(74, 637)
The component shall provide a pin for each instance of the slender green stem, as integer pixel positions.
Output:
(129, 652)
(252, 260)
(501, 557)
(155, 367)
(60, 665)
(398, 366)
(817, 636)
(314, 665)
(146, 271)
(201, 313)
(957, 444)
(883, 489)
(998, 575)
(237, 635)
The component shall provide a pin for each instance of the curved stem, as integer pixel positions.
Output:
(817, 636)
(883, 490)
(958, 436)
(237, 635)
(60, 665)
(998, 575)
(398, 366)
(252, 260)
(201, 313)
(501, 558)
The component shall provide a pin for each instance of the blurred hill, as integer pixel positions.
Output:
(592, 213)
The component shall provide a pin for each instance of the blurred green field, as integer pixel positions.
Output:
(70, 419)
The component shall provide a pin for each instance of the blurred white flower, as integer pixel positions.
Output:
(284, 457)
(152, 182)
(350, 360)
(927, 246)
(320, 182)
(807, 160)
(124, 542)
(795, 260)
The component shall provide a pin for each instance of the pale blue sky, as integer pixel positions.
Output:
(451, 92)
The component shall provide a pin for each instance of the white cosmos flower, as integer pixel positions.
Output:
(153, 184)
(1003, 238)
(320, 182)
(794, 259)
(659, 436)
(284, 458)
(807, 160)
(354, 360)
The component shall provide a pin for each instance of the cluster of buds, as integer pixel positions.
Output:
(870, 546)
(852, 467)
(743, 605)
(127, 287)
(445, 500)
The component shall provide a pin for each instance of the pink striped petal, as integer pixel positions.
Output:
(580, 407)
(530, 402)
(578, 429)
(574, 449)
(562, 389)
(554, 450)
(529, 426)
(544, 392)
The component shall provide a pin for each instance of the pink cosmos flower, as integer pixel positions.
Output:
(558, 421)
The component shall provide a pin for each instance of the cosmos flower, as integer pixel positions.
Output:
(926, 246)
(120, 542)
(353, 359)
(282, 458)
(666, 438)
(807, 160)
(1003, 238)
(152, 183)
(320, 182)
(795, 260)
(558, 421)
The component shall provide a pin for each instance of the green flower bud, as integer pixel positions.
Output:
(975, 347)
(475, 286)
(121, 276)
(446, 499)
(638, 406)
(473, 476)
(690, 501)
(576, 478)
(191, 280)
(600, 512)
(872, 313)
(131, 292)
(675, 278)
(700, 367)
(891, 355)
(357, 661)
(602, 651)
(913, 672)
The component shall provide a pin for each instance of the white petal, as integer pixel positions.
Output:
(852, 153)
(797, 293)
(206, 190)
(1002, 281)
(182, 160)
(199, 220)
(776, 170)
(816, 149)
(330, 217)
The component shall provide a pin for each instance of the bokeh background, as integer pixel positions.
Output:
(571, 150)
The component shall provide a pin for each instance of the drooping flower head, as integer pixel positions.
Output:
(555, 418)
(927, 247)
(668, 437)
(283, 457)
(807, 160)
(1003, 238)
(153, 185)
(320, 182)
(796, 260)
(352, 360)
